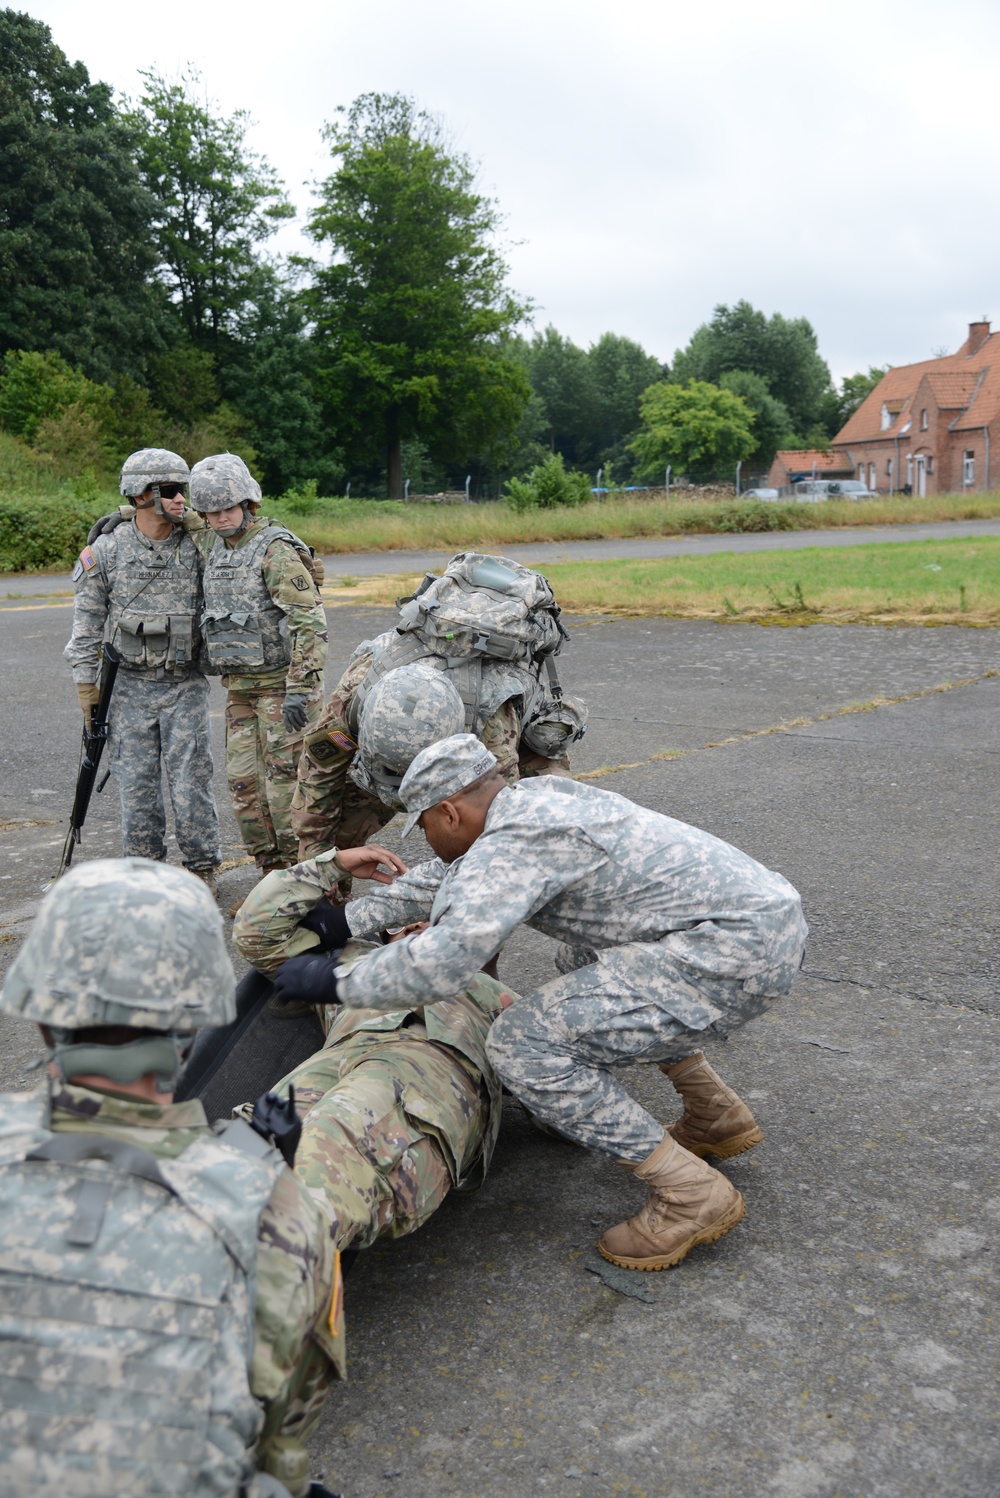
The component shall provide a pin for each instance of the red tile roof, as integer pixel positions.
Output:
(799, 460)
(955, 380)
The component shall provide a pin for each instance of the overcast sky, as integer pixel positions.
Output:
(833, 159)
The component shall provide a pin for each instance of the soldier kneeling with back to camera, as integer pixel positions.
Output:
(169, 1295)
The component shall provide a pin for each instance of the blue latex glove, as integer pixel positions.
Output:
(309, 977)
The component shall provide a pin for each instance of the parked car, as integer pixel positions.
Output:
(816, 489)
(760, 494)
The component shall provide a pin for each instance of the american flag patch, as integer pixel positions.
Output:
(87, 559)
(342, 741)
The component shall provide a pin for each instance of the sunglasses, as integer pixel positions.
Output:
(171, 491)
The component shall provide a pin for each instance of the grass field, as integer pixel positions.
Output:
(345, 526)
(922, 582)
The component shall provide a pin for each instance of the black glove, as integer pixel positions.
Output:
(330, 924)
(104, 526)
(307, 977)
(317, 1490)
(293, 712)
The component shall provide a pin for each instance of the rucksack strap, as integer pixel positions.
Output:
(72, 1149)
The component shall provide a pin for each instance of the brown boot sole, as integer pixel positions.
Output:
(717, 1229)
(724, 1149)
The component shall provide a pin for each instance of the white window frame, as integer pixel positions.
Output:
(924, 420)
(968, 468)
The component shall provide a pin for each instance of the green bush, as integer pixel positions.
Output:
(548, 486)
(44, 535)
(754, 515)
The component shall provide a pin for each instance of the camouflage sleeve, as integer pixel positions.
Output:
(388, 906)
(327, 754)
(90, 608)
(501, 734)
(266, 930)
(500, 883)
(299, 1344)
(292, 589)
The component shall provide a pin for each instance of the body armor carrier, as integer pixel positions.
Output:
(244, 629)
(127, 1293)
(154, 598)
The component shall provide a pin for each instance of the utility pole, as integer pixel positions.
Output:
(667, 483)
(738, 467)
(468, 481)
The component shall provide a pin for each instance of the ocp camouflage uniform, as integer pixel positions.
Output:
(266, 630)
(399, 1106)
(198, 1429)
(144, 597)
(668, 934)
(329, 809)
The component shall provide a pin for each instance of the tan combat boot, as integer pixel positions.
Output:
(715, 1121)
(688, 1203)
(207, 877)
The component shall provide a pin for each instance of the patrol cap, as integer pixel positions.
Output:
(442, 770)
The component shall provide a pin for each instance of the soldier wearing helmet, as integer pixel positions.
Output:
(265, 634)
(172, 1294)
(380, 716)
(138, 586)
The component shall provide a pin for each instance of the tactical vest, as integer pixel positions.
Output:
(154, 597)
(127, 1296)
(244, 629)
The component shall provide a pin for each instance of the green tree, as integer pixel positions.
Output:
(411, 312)
(772, 425)
(700, 430)
(75, 253)
(620, 370)
(217, 201)
(781, 350)
(561, 377)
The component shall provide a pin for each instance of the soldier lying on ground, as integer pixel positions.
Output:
(170, 1296)
(669, 935)
(399, 1106)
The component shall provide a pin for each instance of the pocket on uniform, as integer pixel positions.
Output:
(233, 642)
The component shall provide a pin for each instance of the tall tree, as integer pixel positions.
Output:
(620, 370)
(75, 256)
(411, 312)
(781, 350)
(700, 430)
(217, 201)
(562, 378)
(772, 425)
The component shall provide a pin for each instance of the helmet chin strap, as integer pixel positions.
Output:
(231, 532)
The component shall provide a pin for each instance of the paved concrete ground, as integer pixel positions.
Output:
(841, 1341)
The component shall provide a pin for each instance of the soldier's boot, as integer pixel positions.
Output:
(716, 1120)
(688, 1203)
(207, 877)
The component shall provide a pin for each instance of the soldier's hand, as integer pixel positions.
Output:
(308, 978)
(89, 696)
(329, 923)
(293, 712)
(365, 863)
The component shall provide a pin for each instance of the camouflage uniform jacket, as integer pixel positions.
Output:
(593, 870)
(298, 1338)
(143, 596)
(283, 591)
(267, 931)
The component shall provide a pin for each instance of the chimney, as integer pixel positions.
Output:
(978, 334)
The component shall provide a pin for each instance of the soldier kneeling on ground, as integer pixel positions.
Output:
(398, 1108)
(170, 1295)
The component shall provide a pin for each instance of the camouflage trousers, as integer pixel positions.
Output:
(261, 763)
(161, 728)
(555, 1049)
(391, 1122)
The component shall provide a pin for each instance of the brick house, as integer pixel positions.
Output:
(793, 464)
(933, 426)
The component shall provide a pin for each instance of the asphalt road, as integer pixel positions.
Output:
(840, 1342)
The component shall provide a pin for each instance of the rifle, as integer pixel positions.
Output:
(94, 739)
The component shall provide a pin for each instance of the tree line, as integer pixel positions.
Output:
(140, 304)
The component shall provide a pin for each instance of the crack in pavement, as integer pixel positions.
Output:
(872, 705)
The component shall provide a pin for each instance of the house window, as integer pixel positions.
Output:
(909, 469)
(886, 417)
(968, 468)
(930, 464)
(871, 475)
(923, 420)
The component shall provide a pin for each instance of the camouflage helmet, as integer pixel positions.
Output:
(221, 482)
(151, 466)
(124, 941)
(558, 722)
(408, 709)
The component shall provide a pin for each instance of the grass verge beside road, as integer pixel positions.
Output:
(910, 582)
(345, 525)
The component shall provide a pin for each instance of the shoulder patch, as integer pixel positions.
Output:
(300, 582)
(342, 740)
(87, 559)
(324, 748)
